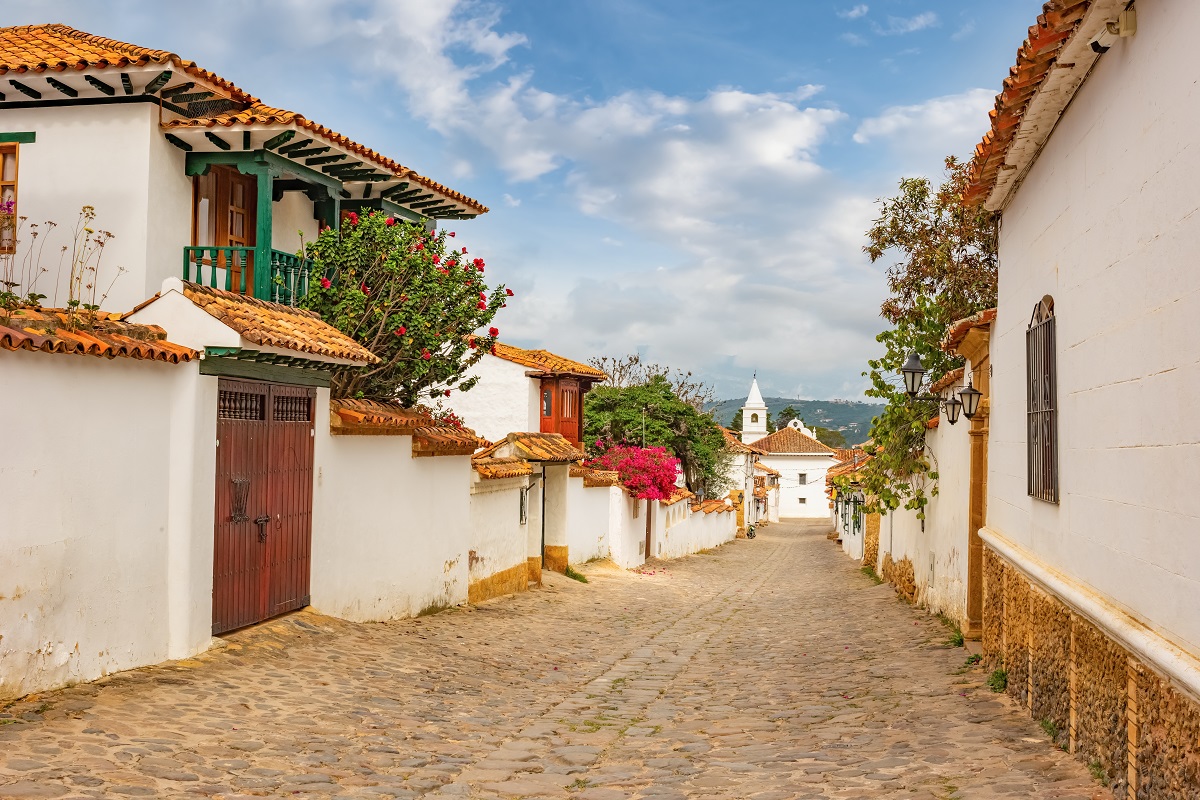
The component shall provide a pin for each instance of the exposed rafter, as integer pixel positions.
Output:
(217, 140)
(177, 90)
(312, 151)
(126, 84)
(180, 143)
(153, 86)
(26, 90)
(280, 139)
(294, 146)
(313, 162)
(62, 87)
(101, 85)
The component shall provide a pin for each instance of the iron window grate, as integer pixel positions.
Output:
(1041, 402)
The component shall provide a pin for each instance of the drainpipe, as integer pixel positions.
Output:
(543, 514)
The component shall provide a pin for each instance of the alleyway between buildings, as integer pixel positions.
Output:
(770, 668)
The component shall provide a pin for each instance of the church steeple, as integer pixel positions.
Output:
(754, 415)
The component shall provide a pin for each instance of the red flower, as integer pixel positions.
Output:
(326, 283)
(419, 246)
(451, 233)
(482, 305)
(464, 251)
(508, 292)
(473, 344)
(401, 330)
(390, 221)
(447, 393)
(450, 262)
(437, 259)
(364, 288)
(426, 355)
(493, 332)
(482, 296)
(443, 271)
(478, 262)
(352, 218)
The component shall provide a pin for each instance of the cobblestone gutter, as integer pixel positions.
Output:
(1114, 712)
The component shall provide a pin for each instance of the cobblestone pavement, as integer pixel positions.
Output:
(768, 669)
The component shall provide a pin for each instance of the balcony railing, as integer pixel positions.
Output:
(233, 269)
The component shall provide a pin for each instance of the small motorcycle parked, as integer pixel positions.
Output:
(750, 532)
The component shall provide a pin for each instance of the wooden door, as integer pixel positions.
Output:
(568, 414)
(549, 406)
(263, 526)
(225, 211)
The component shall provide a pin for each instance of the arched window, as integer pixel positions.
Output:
(754, 417)
(1041, 402)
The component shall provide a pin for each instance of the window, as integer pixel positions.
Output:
(568, 403)
(802, 500)
(803, 478)
(547, 403)
(1041, 400)
(754, 417)
(8, 194)
(524, 506)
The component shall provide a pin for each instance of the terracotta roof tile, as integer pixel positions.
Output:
(438, 440)
(497, 468)
(277, 325)
(549, 447)
(680, 493)
(546, 361)
(957, 331)
(595, 477)
(736, 445)
(47, 331)
(711, 506)
(764, 468)
(1035, 58)
(789, 441)
(949, 379)
(58, 48)
(430, 437)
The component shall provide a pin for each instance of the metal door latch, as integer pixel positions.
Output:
(261, 522)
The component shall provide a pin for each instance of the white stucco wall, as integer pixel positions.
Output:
(627, 532)
(1106, 223)
(815, 503)
(939, 552)
(391, 533)
(684, 532)
(587, 521)
(107, 534)
(111, 157)
(292, 222)
(498, 538)
(504, 401)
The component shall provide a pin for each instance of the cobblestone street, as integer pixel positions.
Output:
(767, 669)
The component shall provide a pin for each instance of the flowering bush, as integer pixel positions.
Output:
(397, 290)
(647, 472)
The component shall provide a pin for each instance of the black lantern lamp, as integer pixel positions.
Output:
(913, 371)
(954, 407)
(970, 399)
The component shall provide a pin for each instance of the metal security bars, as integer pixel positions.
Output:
(1041, 402)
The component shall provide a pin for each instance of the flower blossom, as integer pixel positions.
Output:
(401, 330)
(352, 218)
(481, 305)
(493, 332)
(326, 283)
(508, 292)
(425, 354)
(390, 221)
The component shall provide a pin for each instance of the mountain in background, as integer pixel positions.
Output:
(850, 417)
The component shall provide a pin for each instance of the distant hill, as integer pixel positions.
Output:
(849, 416)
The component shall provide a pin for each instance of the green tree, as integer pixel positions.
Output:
(398, 290)
(788, 414)
(651, 415)
(945, 270)
(830, 437)
(736, 424)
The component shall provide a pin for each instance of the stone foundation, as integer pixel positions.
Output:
(555, 558)
(871, 541)
(1113, 712)
(508, 581)
(901, 575)
(533, 570)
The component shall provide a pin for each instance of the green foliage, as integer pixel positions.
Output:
(998, 681)
(616, 415)
(946, 271)
(736, 424)
(1049, 727)
(870, 572)
(575, 575)
(397, 290)
(830, 437)
(974, 659)
(785, 416)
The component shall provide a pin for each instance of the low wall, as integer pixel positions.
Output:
(391, 533)
(588, 520)
(627, 529)
(106, 540)
(496, 561)
(1114, 706)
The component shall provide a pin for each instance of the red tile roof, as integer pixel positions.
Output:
(958, 331)
(498, 468)
(949, 379)
(430, 437)
(789, 441)
(549, 447)
(48, 331)
(595, 477)
(735, 445)
(764, 468)
(546, 361)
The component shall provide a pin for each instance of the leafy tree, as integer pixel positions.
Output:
(398, 290)
(788, 414)
(647, 472)
(736, 424)
(830, 437)
(630, 370)
(946, 270)
(651, 415)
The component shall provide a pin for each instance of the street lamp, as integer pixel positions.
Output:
(913, 371)
(954, 406)
(970, 399)
(966, 403)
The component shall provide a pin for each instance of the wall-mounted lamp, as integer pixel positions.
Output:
(966, 403)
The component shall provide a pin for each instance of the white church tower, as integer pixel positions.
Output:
(754, 415)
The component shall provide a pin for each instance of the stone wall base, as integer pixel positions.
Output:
(555, 558)
(533, 566)
(901, 575)
(1112, 711)
(507, 581)
(871, 541)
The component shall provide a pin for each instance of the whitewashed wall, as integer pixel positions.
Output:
(815, 504)
(627, 531)
(939, 552)
(498, 538)
(685, 532)
(588, 521)
(114, 158)
(391, 532)
(1106, 223)
(292, 222)
(504, 401)
(107, 534)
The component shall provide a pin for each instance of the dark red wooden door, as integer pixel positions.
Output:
(263, 530)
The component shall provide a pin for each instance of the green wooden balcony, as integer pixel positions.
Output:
(234, 270)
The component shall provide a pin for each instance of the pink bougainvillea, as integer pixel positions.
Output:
(647, 472)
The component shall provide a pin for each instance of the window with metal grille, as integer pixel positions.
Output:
(803, 476)
(1041, 402)
(524, 506)
(241, 405)
(292, 409)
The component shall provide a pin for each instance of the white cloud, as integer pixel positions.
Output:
(938, 126)
(854, 13)
(510, 201)
(854, 39)
(964, 31)
(897, 26)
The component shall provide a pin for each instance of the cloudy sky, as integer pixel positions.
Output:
(690, 179)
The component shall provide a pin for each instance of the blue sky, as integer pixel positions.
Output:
(682, 178)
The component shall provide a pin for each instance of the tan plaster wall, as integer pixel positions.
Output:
(508, 581)
(556, 558)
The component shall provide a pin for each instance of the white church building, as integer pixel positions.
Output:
(793, 452)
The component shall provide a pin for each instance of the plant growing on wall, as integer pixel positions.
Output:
(650, 414)
(647, 472)
(403, 293)
(946, 271)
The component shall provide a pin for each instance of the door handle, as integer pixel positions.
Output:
(261, 522)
